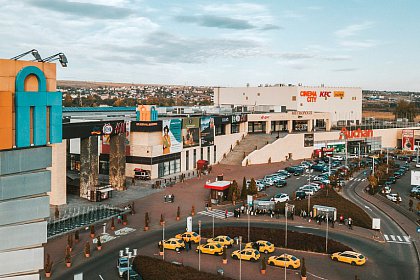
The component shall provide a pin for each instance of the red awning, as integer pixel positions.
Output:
(218, 185)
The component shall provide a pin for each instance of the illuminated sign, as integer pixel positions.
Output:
(325, 94)
(264, 117)
(359, 133)
(302, 113)
(339, 94)
(309, 94)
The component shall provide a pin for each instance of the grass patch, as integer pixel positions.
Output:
(295, 240)
(344, 207)
(156, 269)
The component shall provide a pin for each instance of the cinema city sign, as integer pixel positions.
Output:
(358, 133)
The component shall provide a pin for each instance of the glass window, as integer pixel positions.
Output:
(208, 154)
(187, 160)
(195, 158)
(177, 165)
(234, 128)
(214, 154)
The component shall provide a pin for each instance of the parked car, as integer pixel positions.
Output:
(340, 158)
(173, 244)
(262, 246)
(350, 257)
(394, 197)
(284, 172)
(210, 248)
(223, 240)
(187, 236)
(392, 179)
(280, 197)
(247, 254)
(284, 260)
(307, 190)
(386, 190)
(415, 191)
(281, 183)
(300, 195)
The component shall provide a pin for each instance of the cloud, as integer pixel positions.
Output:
(96, 11)
(270, 27)
(345, 69)
(250, 8)
(217, 21)
(363, 44)
(353, 29)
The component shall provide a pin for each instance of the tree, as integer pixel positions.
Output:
(68, 100)
(406, 110)
(244, 191)
(252, 187)
(303, 268)
(235, 191)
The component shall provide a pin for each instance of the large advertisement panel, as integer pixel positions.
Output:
(408, 139)
(190, 132)
(415, 178)
(207, 131)
(171, 136)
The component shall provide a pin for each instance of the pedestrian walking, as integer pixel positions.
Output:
(133, 182)
(119, 219)
(341, 219)
(226, 214)
(350, 223)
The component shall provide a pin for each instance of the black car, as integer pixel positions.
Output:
(300, 195)
(392, 179)
(280, 183)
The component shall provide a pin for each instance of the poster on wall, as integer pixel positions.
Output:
(171, 136)
(207, 131)
(190, 132)
(415, 178)
(408, 139)
(308, 140)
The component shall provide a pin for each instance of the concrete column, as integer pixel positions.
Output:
(328, 125)
(228, 129)
(58, 194)
(310, 125)
(290, 126)
(117, 162)
(268, 127)
(89, 165)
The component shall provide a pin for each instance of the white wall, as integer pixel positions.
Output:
(223, 143)
(29, 260)
(58, 194)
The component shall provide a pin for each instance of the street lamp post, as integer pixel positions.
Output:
(285, 212)
(199, 244)
(248, 224)
(129, 256)
(387, 161)
(163, 240)
(213, 223)
(240, 257)
(326, 237)
(359, 155)
(309, 203)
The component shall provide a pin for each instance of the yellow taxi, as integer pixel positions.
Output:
(222, 240)
(246, 254)
(210, 248)
(186, 236)
(350, 257)
(284, 260)
(173, 244)
(262, 246)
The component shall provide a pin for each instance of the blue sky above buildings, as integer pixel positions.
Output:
(369, 43)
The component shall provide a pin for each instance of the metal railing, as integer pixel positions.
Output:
(78, 218)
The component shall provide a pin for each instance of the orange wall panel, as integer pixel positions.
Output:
(7, 68)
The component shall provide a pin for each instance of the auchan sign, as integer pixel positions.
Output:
(359, 133)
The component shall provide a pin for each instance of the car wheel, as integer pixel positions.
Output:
(235, 257)
(290, 267)
(177, 249)
(353, 263)
(253, 260)
(335, 259)
(265, 252)
(271, 263)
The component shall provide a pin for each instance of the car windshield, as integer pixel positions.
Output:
(268, 243)
(218, 245)
(293, 258)
(361, 257)
(257, 253)
(228, 238)
(195, 234)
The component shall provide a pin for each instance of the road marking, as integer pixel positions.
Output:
(219, 214)
(304, 227)
(367, 207)
(100, 276)
(364, 179)
(386, 237)
(316, 276)
(393, 238)
(399, 238)
(407, 238)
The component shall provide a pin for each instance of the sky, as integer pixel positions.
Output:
(373, 44)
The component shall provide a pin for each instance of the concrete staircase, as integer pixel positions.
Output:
(250, 143)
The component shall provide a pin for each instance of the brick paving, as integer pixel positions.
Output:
(189, 193)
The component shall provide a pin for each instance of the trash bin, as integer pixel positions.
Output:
(220, 271)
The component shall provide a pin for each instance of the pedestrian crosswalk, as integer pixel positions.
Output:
(390, 238)
(219, 214)
(358, 179)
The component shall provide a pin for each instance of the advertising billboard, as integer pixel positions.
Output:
(408, 139)
(207, 131)
(171, 136)
(190, 132)
(415, 178)
(308, 140)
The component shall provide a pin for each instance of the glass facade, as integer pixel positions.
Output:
(169, 167)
